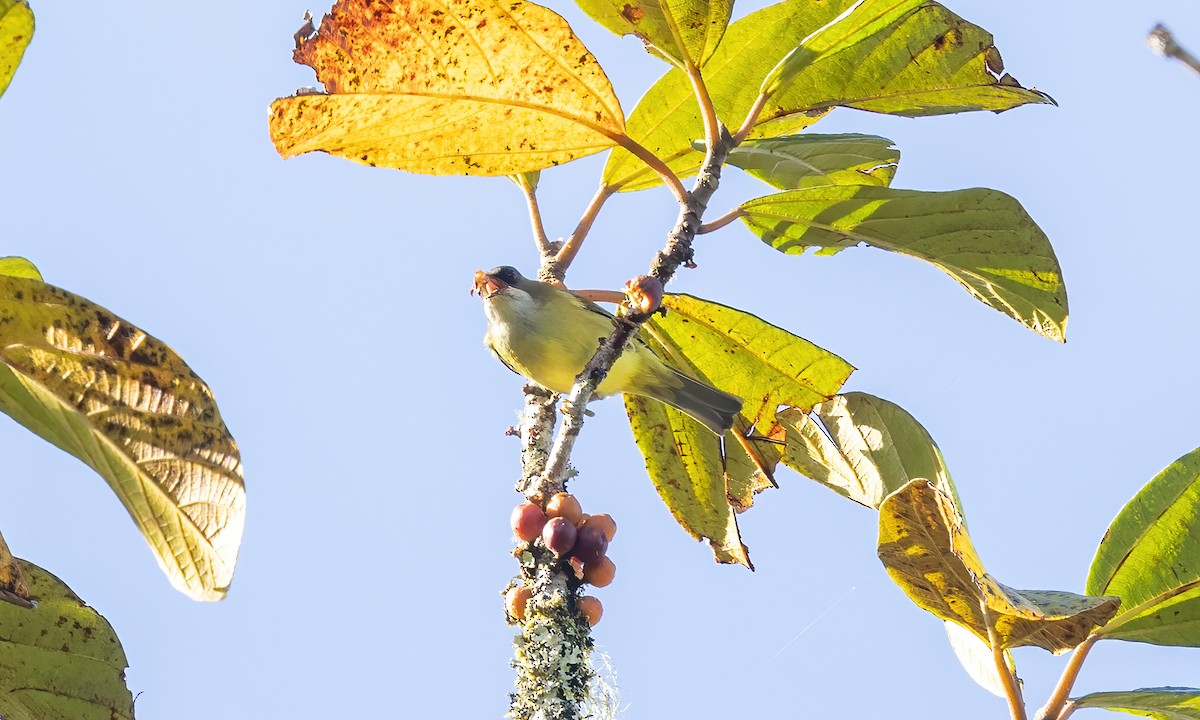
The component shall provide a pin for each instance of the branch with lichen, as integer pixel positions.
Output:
(552, 651)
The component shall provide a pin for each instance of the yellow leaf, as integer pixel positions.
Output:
(475, 87)
(13, 587)
(127, 405)
(924, 545)
(16, 30)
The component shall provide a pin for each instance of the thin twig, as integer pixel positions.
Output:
(712, 123)
(1163, 42)
(554, 269)
(1068, 710)
(604, 296)
(656, 164)
(1054, 708)
(544, 246)
(1008, 678)
(720, 222)
(751, 118)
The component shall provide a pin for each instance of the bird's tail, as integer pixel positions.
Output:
(709, 406)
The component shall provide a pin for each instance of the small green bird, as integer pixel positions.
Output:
(547, 334)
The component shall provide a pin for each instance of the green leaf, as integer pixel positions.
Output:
(127, 405)
(16, 30)
(59, 660)
(1150, 557)
(927, 62)
(19, 267)
(982, 238)
(739, 353)
(924, 545)
(864, 448)
(683, 459)
(900, 57)
(1162, 703)
(799, 161)
(678, 31)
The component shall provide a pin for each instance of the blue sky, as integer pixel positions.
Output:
(326, 305)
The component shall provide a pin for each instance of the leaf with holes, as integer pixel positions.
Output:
(59, 660)
(476, 87)
(127, 405)
(1150, 557)
(982, 238)
(924, 545)
(16, 30)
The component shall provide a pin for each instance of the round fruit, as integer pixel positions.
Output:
(515, 601)
(590, 608)
(527, 521)
(605, 522)
(599, 573)
(559, 535)
(645, 293)
(564, 505)
(590, 544)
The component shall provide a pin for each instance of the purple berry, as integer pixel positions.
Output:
(591, 544)
(559, 535)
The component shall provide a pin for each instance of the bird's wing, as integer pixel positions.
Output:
(488, 341)
(594, 308)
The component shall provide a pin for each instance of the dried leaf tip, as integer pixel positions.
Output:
(306, 30)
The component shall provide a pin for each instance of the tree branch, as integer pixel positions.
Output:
(1163, 42)
(1055, 707)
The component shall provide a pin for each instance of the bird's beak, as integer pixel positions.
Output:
(487, 285)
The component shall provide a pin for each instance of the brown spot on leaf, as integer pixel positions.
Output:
(632, 14)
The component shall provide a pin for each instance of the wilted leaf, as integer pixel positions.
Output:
(927, 62)
(1162, 703)
(1150, 557)
(13, 588)
(678, 31)
(59, 660)
(16, 30)
(476, 87)
(19, 267)
(128, 406)
(684, 461)
(925, 548)
(864, 448)
(982, 238)
(739, 353)
(799, 161)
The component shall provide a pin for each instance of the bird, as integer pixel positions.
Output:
(548, 334)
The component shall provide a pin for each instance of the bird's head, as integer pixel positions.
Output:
(497, 281)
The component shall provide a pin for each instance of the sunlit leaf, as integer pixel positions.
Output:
(59, 660)
(19, 267)
(1161, 703)
(864, 448)
(926, 61)
(16, 30)
(127, 405)
(982, 238)
(798, 161)
(684, 461)
(477, 87)
(1150, 557)
(13, 587)
(926, 550)
(679, 31)
(739, 353)
(900, 57)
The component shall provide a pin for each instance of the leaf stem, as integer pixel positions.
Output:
(656, 164)
(544, 246)
(1163, 42)
(1012, 687)
(604, 296)
(1055, 707)
(555, 267)
(712, 123)
(751, 118)
(720, 222)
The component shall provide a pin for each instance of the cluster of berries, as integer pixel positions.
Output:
(566, 531)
